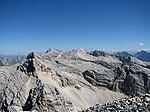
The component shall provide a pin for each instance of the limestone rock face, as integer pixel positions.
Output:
(24, 88)
(70, 81)
(132, 77)
(97, 79)
(98, 53)
(137, 82)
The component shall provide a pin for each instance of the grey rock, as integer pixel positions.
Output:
(129, 104)
(97, 79)
(98, 53)
(69, 81)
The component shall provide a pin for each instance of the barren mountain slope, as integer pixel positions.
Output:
(70, 81)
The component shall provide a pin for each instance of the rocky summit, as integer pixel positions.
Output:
(71, 81)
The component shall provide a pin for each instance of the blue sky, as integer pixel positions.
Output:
(36, 25)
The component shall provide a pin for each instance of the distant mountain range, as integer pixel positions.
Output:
(142, 55)
(7, 60)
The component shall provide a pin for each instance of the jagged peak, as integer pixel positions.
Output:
(52, 50)
(30, 55)
(98, 53)
(123, 53)
(80, 50)
(33, 55)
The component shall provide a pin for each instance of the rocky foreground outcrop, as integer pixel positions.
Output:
(128, 104)
(71, 81)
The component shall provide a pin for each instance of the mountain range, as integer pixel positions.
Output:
(142, 55)
(7, 60)
(71, 81)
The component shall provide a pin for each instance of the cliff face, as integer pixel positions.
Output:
(71, 81)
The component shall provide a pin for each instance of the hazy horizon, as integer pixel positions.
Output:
(109, 25)
(132, 52)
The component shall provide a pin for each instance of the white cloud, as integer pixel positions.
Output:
(141, 44)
